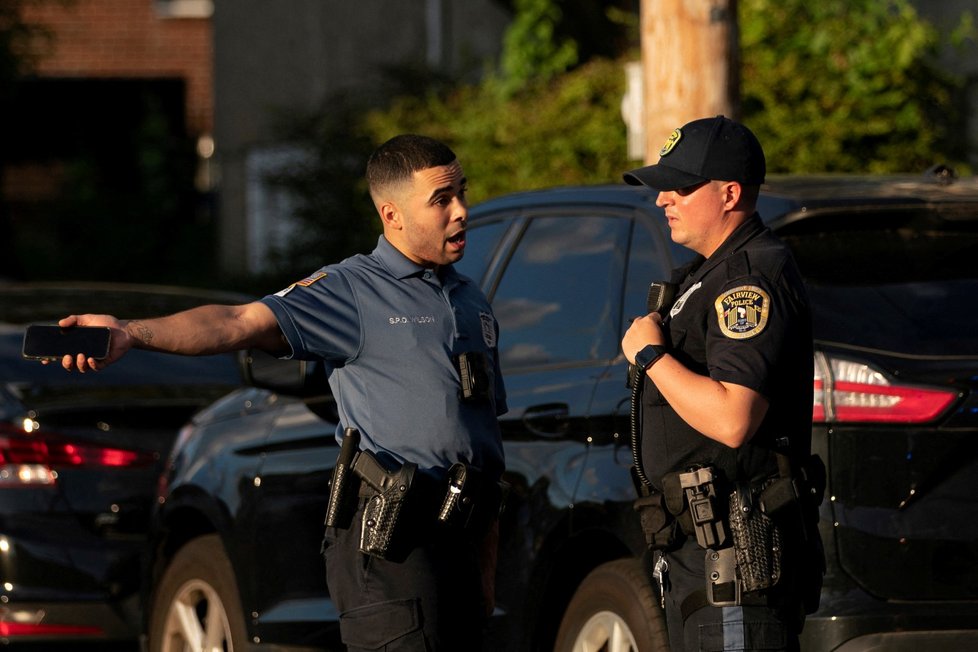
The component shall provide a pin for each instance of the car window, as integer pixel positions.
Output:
(481, 242)
(891, 277)
(885, 246)
(648, 261)
(559, 299)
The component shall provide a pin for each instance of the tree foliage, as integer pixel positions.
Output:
(846, 86)
(833, 86)
(533, 48)
(829, 86)
(565, 131)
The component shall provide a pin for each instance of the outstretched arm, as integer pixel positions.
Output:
(203, 330)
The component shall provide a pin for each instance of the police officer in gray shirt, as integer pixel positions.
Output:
(410, 349)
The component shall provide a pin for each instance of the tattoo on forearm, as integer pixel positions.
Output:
(141, 332)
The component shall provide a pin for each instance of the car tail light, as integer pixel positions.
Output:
(29, 457)
(851, 391)
(8, 629)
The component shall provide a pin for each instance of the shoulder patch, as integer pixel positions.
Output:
(309, 280)
(743, 311)
(306, 282)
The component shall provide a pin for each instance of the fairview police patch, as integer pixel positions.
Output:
(742, 312)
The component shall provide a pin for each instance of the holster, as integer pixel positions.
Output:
(401, 508)
(471, 501)
(793, 501)
(339, 509)
(707, 513)
(660, 526)
(773, 535)
(384, 532)
(757, 541)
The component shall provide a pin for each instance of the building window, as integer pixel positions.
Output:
(270, 207)
(184, 8)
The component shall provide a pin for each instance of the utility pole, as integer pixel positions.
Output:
(690, 61)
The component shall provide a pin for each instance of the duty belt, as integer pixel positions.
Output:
(400, 507)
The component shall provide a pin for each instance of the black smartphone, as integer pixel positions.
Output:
(51, 342)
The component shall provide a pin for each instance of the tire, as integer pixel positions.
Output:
(614, 610)
(196, 604)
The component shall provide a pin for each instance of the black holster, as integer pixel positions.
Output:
(658, 524)
(342, 500)
(471, 501)
(401, 508)
(793, 502)
(384, 531)
(757, 541)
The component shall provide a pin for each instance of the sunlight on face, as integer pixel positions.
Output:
(433, 214)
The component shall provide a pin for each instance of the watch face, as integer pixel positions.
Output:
(646, 356)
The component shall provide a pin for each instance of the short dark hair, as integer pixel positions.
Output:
(400, 157)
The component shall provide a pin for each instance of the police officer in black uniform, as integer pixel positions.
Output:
(726, 404)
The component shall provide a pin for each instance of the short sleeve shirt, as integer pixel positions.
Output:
(741, 316)
(389, 332)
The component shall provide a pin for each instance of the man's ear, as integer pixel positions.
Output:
(390, 215)
(732, 192)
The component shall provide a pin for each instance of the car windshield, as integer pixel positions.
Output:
(877, 277)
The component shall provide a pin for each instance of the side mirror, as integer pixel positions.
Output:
(298, 378)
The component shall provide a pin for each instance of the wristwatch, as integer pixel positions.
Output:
(649, 355)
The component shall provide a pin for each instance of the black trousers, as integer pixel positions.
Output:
(722, 629)
(431, 601)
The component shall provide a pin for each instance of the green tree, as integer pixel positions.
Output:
(562, 132)
(537, 124)
(833, 86)
(847, 86)
(532, 47)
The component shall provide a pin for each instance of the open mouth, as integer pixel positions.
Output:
(458, 239)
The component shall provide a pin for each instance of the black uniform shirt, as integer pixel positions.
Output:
(741, 316)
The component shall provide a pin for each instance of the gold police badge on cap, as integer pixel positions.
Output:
(742, 312)
(671, 142)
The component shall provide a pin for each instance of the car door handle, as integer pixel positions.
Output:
(548, 419)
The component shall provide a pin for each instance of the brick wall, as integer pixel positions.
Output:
(129, 39)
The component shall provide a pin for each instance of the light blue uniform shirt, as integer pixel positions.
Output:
(388, 331)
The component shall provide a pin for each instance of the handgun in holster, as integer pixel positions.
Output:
(383, 530)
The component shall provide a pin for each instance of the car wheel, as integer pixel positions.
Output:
(613, 610)
(196, 606)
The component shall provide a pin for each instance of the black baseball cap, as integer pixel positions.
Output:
(709, 149)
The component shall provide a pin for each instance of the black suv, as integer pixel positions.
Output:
(890, 263)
